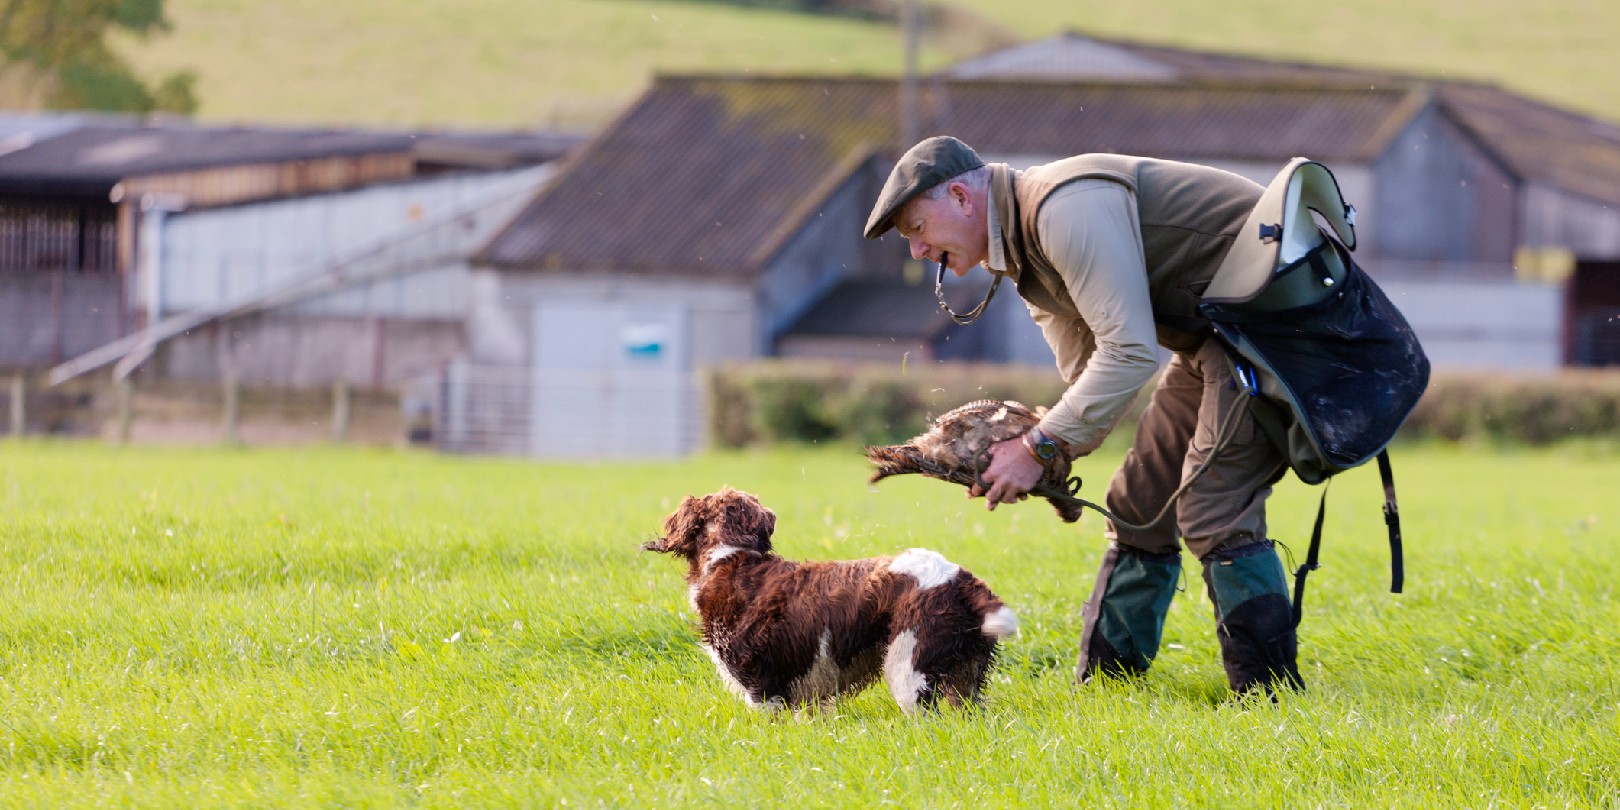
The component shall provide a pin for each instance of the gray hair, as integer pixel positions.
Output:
(977, 180)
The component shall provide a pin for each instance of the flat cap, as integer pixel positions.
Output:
(922, 167)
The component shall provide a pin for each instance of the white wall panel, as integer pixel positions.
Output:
(1484, 325)
(201, 258)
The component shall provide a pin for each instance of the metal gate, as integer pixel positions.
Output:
(613, 380)
(608, 382)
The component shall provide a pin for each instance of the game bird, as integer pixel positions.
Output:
(956, 449)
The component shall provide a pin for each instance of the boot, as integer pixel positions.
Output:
(1253, 619)
(1124, 618)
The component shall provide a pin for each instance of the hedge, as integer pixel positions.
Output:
(1518, 410)
(814, 401)
(803, 400)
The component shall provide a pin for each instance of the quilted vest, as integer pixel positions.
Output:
(1189, 215)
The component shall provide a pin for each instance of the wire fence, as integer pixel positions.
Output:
(579, 414)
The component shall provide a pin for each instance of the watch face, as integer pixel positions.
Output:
(1044, 446)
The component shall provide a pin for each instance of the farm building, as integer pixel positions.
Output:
(279, 257)
(719, 219)
(73, 189)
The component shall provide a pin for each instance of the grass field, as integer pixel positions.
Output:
(576, 62)
(335, 627)
(447, 63)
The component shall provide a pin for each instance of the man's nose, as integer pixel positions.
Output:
(919, 248)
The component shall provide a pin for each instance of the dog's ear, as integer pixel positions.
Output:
(682, 529)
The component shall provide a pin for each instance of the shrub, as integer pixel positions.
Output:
(1519, 410)
(792, 406)
(803, 400)
(877, 409)
(731, 411)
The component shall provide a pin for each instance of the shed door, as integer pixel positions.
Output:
(611, 380)
(1592, 334)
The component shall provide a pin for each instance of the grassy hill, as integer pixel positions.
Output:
(574, 63)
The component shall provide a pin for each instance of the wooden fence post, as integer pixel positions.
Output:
(125, 393)
(19, 405)
(341, 411)
(233, 409)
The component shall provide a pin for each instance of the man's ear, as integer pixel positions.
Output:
(961, 196)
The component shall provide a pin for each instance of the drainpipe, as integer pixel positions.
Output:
(155, 209)
(910, 114)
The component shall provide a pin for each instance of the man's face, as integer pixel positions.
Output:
(949, 229)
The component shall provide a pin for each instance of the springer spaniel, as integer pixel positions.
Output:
(785, 633)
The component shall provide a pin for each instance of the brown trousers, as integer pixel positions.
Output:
(1226, 507)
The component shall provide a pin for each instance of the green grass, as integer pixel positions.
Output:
(336, 627)
(450, 63)
(576, 62)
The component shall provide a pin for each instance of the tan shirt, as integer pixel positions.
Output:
(1088, 229)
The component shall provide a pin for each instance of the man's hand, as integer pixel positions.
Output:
(1011, 474)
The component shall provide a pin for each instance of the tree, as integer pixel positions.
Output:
(54, 54)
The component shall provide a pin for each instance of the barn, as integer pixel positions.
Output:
(719, 220)
(74, 188)
(278, 257)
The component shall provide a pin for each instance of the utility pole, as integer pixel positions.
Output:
(910, 31)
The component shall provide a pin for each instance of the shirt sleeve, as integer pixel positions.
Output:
(1069, 338)
(1089, 231)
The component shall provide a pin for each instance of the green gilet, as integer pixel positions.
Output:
(1189, 215)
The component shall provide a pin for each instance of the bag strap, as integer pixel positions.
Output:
(1310, 557)
(1392, 520)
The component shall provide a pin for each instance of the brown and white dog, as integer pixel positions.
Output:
(787, 633)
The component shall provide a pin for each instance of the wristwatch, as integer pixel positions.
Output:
(1040, 445)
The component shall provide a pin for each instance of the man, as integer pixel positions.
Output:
(1110, 253)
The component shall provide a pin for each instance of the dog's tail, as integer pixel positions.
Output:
(1000, 623)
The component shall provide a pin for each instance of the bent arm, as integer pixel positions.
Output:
(1090, 233)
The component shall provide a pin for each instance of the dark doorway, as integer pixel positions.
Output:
(1592, 331)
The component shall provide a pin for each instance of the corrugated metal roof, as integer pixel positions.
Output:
(87, 154)
(696, 174)
(1065, 56)
(495, 150)
(21, 130)
(1079, 56)
(1189, 64)
(91, 159)
(1206, 120)
(702, 169)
